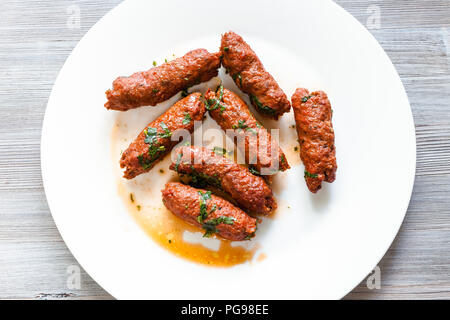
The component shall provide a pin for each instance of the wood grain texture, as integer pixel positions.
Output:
(34, 43)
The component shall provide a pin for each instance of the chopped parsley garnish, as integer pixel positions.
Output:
(306, 98)
(239, 77)
(213, 104)
(250, 236)
(177, 163)
(241, 125)
(166, 133)
(226, 49)
(146, 164)
(155, 90)
(187, 118)
(184, 93)
(200, 179)
(151, 137)
(311, 175)
(254, 171)
(204, 197)
(261, 107)
(152, 151)
(210, 226)
(220, 151)
(155, 149)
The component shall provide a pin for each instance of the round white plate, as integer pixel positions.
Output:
(327, 243)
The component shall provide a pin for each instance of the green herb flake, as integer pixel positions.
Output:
(204, 197)
(210, 226)
(151, 136)
(187, 118)
(166, 132)
(209, 233)
(153, 151)
(213, 104)
(200, 179)
(254, 171)
(226, 49)
(146, 164)
(306, 98)
(237, 76)
(310, 175)
(220, 151)
(155, 90)
(177, 163)
(249, 237)
(241, 124)
(262, 108)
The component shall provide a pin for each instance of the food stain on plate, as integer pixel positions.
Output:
(261, 257)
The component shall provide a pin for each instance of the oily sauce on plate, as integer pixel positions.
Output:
(142, 198)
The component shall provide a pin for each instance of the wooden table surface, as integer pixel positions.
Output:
(36, 37)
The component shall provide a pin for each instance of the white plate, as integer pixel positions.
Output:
(327, 243)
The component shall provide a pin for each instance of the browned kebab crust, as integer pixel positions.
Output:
(257, 139)
(173, 118)
(250, 192)
(184, 202)
(251, 77)
(313, 116)
(163, 82)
